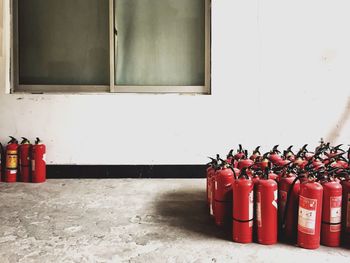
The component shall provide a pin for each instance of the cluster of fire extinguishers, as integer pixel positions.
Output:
(301, 198)
(24, 162)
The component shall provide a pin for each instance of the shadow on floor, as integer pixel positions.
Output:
(187, 209)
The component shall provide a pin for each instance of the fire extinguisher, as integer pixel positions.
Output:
(243, 205)
(310, 213)
(24, 160)
(346, 210)
(288, 203)
(11, 161)
(331, 213)
(224, 179)
(38, 162)
(266, 210)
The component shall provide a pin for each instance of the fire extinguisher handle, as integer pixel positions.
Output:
(24, 140)
(230, 153)
(13, 140)
(257, 150)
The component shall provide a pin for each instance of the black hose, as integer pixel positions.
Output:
(284, 218)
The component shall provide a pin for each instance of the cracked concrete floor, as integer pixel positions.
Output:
(125, 220)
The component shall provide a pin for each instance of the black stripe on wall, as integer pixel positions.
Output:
(125, 171)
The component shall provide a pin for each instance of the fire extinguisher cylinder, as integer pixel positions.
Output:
(288, 201)
(309, 215)
(224, 179)
(24, 160)
(11, 161)
(266, 212)
(38, 162)
(243, 209)
(331, 214)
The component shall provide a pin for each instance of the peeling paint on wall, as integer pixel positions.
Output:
(343, 119)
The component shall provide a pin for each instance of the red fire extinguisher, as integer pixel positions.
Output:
(24, 160)
(346, 210)
(243, 205)
(331, 213)
(224, 178)
(288, 203)
(266, 210)
(38, 162)
(309, 215)
(11, 161)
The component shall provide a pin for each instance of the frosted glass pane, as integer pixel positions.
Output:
(160, 42)
(63, 42)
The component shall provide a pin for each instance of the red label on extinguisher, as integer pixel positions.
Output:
(307, 215)
(335, 213)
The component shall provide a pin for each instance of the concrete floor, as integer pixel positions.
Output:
(142, 220)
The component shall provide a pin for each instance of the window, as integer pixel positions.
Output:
(158, 46)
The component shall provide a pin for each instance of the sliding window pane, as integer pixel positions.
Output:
(160, 42)
(63, 42)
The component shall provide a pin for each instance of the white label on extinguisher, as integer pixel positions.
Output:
(13, 171)
(251, 205)
(211, 203)
(307, 215)
(33, 165)
(348, 214)
(335, 213)
(44, 157)
(274, 202)
(258, 209)
(251, 208)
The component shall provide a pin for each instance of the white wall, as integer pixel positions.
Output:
(280, 74)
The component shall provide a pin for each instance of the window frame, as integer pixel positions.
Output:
(112, 87)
